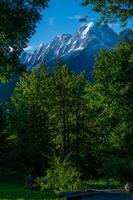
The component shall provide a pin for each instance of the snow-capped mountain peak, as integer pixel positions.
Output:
(88, 40)
(87, 28)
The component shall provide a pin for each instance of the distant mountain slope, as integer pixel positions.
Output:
(78, 51)
(6, 89)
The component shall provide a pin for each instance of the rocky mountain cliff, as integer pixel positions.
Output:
(78, 50)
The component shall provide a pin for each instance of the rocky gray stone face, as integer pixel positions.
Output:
(78, 51)
(83, 46)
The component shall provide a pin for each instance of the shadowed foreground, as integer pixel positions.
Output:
(97, 195)
(109, 197)
(16, 191)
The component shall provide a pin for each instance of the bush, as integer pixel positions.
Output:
(62, 176)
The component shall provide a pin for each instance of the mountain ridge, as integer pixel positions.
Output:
(67, 46)
(78, 51)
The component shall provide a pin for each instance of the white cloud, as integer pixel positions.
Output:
(86, 18)
(75, 17)
(29, 47)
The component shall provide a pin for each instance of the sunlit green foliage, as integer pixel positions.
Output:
(61, 176)
(67, 109)
(113, 10)
(111, 101)
(29, 119)
(92, 121)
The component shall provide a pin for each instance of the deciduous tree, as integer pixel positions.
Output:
(113, 10)
(18, 20)
(29, 119)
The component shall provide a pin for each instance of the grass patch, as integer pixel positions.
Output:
(101, 184)
(15, 191)
(19, 192)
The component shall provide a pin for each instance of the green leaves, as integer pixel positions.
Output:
(61, 176)
(67, 108)
(17, 24)
(111, 101)
(63, 113)
(29, 118)
(112, 11)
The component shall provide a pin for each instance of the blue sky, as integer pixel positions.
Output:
(61, 17)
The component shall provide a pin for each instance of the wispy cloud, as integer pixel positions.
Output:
(81, 18)
(28, 48)
(75, 17)
(51, 21)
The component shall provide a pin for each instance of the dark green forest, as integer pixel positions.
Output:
(62, 127)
